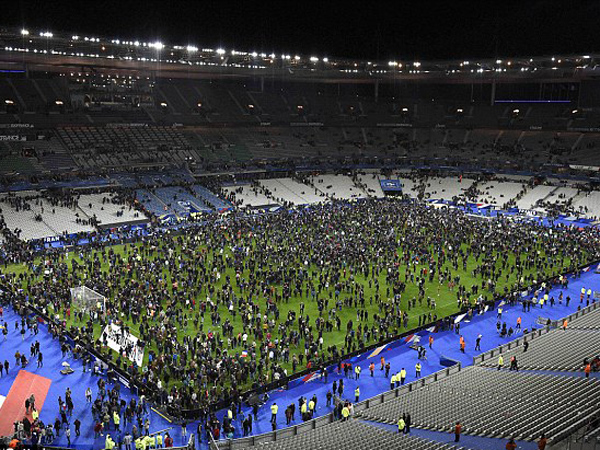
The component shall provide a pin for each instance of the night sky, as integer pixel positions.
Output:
(398, 29)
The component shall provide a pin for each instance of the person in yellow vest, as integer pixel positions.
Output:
(589, 294)
(274, 409)
(582, 295)
(402, 375)
(150, 442)
(35, 414)
(109, 444)
(393, 382)
(230, 414)
(401, 425)
(117, 420)
(311, 407)
(345, 412)
(357, 370)
(417, 370)
(356, 394)
(500, 362)
(159, 440)
(138, 444)
(304, 409)
(542, 300)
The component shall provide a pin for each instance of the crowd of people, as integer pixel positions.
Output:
(229, 305)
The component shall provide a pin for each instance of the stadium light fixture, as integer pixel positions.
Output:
(199, 105)
(417, 64)
(24, 32)
(516, 111)
(325, 60)
(46, 34)
(220, 51)
(459, 110)
(575, 111)
(8, 101)
(314, 59)
(191, 49)
(297, 57)
(163, 104)
(157, 45)
(404, 109)
(58, 102)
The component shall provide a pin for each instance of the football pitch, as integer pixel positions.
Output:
(186, 272)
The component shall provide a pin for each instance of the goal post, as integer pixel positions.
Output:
(87, 300)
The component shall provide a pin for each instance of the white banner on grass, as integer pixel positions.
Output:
(123, 343)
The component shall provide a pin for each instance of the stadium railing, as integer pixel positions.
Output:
(496, 352)
(318, 422)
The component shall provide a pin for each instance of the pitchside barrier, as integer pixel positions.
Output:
(495, 352)
(273, 436)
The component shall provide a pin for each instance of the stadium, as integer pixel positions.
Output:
(216, 248)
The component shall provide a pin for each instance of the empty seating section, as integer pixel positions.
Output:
(588, 203)
(556, 351)
(409, 187)
(94, 147)
(447, 188)
(288, 190)
(107, 209)
(497, 193)
(588, 321)
(495, 403)
(337, 186)
(152, 204)
(361, 435)
(533, 195)
(180, 200)
(563, 197)
(39, 219)
(23, 223)
(248, 195)
(370, 182)
(210, 199)
(53, 155)
(61, 219)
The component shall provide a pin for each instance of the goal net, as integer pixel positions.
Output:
(87, 300)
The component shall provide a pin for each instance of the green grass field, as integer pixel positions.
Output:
(445, 298)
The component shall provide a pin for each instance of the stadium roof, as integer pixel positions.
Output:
(48, 50)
